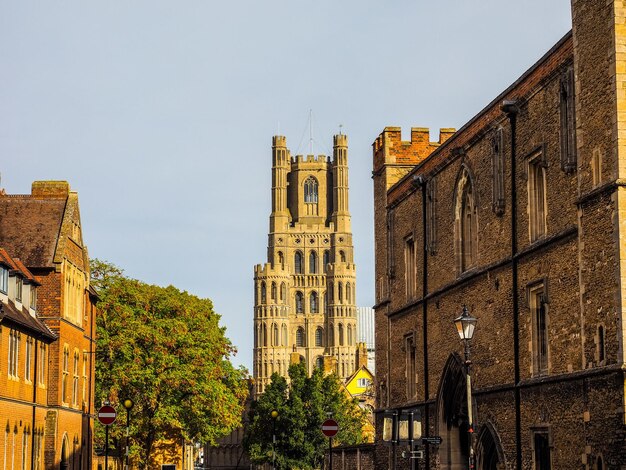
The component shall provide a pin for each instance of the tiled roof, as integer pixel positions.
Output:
(10, 313)
(6, 260)
(24, 270)
(31, 227)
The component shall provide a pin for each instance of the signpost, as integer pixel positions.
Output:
(330, 428)
(106, 415)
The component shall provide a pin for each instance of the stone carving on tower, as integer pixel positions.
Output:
(304, 303)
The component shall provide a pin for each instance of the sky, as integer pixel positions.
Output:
(161, 114)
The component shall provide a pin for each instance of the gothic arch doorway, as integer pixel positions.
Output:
(489, 455)
(452, 416)
(65, 463)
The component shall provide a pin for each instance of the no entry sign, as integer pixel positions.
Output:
(330, 427)
(107, 415)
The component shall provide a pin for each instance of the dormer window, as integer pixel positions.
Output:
(4, 280)
(33, 297)
(18, 288)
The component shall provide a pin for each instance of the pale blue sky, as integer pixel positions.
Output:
(160, 113)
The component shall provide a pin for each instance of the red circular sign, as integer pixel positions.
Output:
(107, 415)
(330, 427)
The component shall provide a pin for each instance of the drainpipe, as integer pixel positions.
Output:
(419, 181)
(511, 109)
(35, 385)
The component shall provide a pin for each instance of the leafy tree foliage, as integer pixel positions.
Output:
(302, 406)
(165, 350)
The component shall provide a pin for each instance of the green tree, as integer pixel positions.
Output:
(302, 407)
(164, 349)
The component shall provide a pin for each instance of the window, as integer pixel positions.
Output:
(281, 260)
(340, 292)
(33, 297)
(319, 362)
(283, 291)
(348, 292)
(310, 190)
(326, 259)
(497, 156)
(319, 337)
(66, 367)
(284, 334)
(568, 122)
(331, 294)
(541, 450)
(411, 367)
(4, 279)
(273, 292)
(275, 338)
(340, 334)
(298, 263)
(18, 288)
(410, 267)
(363, 383)
(314, 303)
(536, 197)
(264, 331)
(85, 361)
(313, 262)
(349, 331)
(601, 346)
(300, 337)
(539, 320)
(465, 222)
(299, 302)
(14, 353)
(596, 167)
(342, 256)
(42, 364)
(24, 448)
(331, 335)
(27, 359)
(263, 292)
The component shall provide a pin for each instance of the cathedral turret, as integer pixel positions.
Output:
(281, 161)
(341, 214)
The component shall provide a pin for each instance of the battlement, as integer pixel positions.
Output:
(389, 148)
(341, 269)
(340, 140)
(310, 159)
(266, 270)
(279, 141)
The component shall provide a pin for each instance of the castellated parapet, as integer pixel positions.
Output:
(305, 292)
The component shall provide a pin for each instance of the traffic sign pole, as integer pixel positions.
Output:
(106, 446)
(330, 451)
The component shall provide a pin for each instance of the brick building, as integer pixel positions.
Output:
(518, 216)
(304, 308)
(47, 331)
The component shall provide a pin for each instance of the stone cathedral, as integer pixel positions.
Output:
(304, 302)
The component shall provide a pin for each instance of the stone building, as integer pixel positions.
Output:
(519, 216)
(304, 303)
(47, 328)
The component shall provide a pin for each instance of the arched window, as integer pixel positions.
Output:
(349, 335)
(331, 335)
(348, 292)
(263, 292)
(310, 190)
(319, 336)
(326, 259)
(313, 302)
(264, 334)
(299, 302)
(298, 267)
(340, 292)
(331, 294)
(281, 260)
(465, 222)
(340, 334)
(284, 335)
(275, 339)
(313, 262)
(273, 292)
(342, 256)
(300, 337)
(319, 362)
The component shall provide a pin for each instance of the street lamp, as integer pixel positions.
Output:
(465, 325)
(274, 415)
(128, 404)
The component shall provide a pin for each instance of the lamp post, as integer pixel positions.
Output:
(465, 325)
(128, 404)
(274, 415)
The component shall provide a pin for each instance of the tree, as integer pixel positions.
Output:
(302, 407)
(164, 349)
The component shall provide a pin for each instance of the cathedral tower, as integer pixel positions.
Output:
(304, 303)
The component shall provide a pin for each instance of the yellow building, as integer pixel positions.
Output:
(304, 306)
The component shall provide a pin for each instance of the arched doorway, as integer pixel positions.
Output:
(489, 455)
(452, 419)
(65, 462)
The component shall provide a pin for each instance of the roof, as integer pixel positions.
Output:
(9, 312)
(31, 227)
(15, 264)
